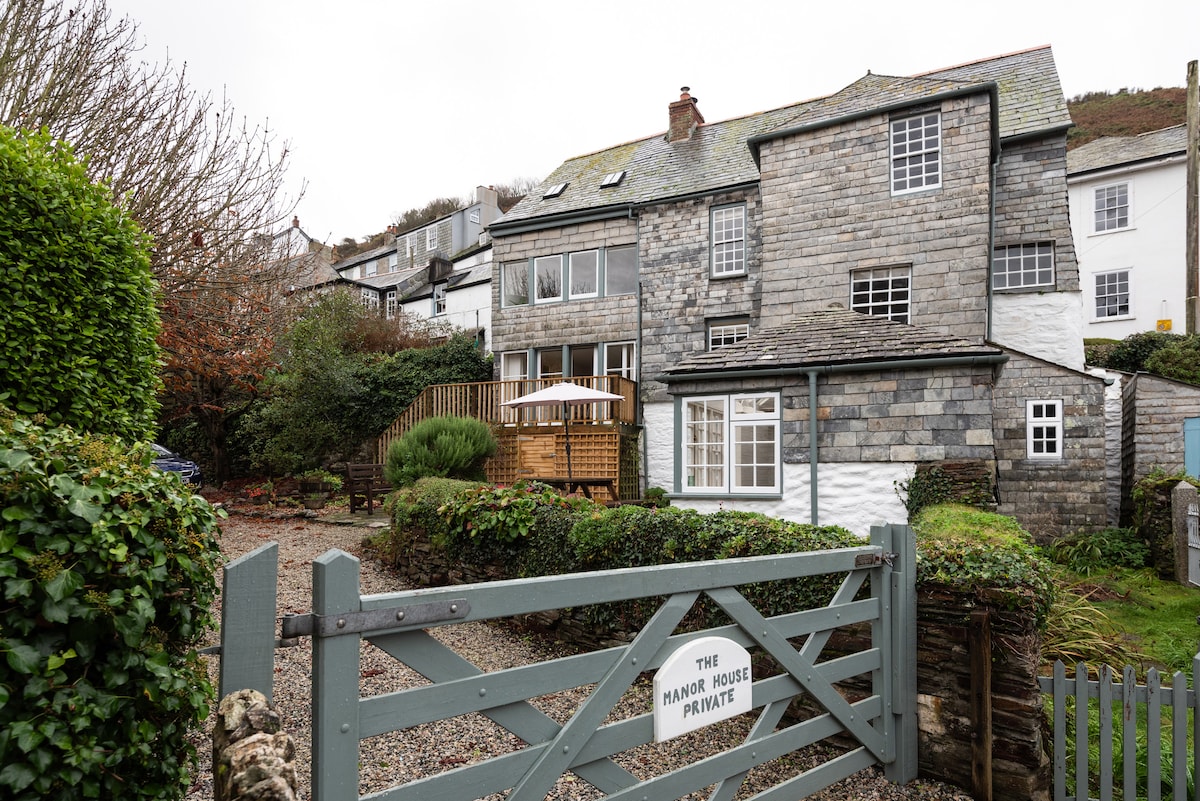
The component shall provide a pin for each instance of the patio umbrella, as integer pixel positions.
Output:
(565, 394)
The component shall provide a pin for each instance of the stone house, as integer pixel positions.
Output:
(815, 300)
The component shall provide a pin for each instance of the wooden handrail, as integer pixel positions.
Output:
(481, 400)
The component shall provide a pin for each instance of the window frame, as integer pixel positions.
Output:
(1036, 421)
(737, 325)
(719, 236)
(595, 269)
(370, 298)
(1006, 253)
(731, 420)
(370, 268)
(884, 306)
(439, 299)
(902, 156)
(1120, 223)
(513, 268)
(607, 260)
(391, 306)
(431, 238)
(537, 289)
(627, 350)
(1097, 296)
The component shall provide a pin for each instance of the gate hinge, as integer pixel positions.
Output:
(310, 625)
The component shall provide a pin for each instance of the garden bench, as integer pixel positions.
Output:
(366, 484)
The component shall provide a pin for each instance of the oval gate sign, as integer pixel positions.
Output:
(704, 681)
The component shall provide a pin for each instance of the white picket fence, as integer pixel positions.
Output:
(1106, 713)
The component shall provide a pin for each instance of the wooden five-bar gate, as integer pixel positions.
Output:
(878, 718)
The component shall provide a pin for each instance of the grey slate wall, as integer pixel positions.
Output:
(1152, 435)
(1050, 498)
(570, 322)
(1031, 203)
(828, 209)
(678, 294)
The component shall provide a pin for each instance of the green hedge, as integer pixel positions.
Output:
(107, 568)
(531, 531)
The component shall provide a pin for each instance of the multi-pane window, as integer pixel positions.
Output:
(620, 270)
(1016, 266)
(369, 268)
(916, 153)
(431, 238)
(1112, 207)
(584, 273)
(391, 304)
(514, 284)
(728, 227)
(1112, 294)
(439, 299)
(547, 278)
(370, 298)
(727, 332)
(1043, 429)
(393, 261)
(882, 291)
(731, 444)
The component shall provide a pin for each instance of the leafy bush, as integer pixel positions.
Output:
(1085, 551)
(444, 447)
(416, 516)
(108, 577)
(501, 514)
(79, 323)
(1132, 352)
(976, 551)
(1180, 360)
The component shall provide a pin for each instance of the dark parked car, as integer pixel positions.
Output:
(188, 470)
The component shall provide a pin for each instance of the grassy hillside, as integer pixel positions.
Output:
(1124, 113)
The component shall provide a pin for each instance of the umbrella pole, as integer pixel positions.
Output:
(567, 438)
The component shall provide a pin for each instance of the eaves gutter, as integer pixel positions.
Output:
(532, 224)
(990, 86)
(830, 369)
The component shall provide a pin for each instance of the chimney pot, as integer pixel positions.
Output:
(295, 222)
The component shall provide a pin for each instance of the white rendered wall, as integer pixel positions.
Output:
(1046, 325)
(854, 495)
(1152, 248)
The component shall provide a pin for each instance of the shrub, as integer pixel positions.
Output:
(108, 577)
(1132, 352)
(415, 516)
(500, 514)
(971, 550)
(1180, 360)
(443, 447)
(79, 323)
(1085, 551)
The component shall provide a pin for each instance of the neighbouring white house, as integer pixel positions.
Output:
(1128, 196)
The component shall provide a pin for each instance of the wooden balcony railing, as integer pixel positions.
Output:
(482, 400)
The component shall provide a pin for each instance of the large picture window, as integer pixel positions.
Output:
(547, 276)
(916, 153)
(731, 444)
(514, 284)
(728, 232)
(620, 270)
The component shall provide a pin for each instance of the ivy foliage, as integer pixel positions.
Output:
(446, 447)
(79, 323)
(107, 569)
(971, 550)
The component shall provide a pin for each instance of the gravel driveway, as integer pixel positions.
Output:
(428, 749)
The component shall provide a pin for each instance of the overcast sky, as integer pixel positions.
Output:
(387, 105)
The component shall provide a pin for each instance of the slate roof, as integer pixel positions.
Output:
(833, 336)
(718, 154)
(1113, 151)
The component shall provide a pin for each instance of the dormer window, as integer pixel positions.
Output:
(612, 179)
(555, 190)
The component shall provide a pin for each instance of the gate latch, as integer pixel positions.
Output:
(311, 625)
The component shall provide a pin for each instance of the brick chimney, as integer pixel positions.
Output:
(684, 117)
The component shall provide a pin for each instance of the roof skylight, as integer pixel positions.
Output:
(612, 179)
(555, 190)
